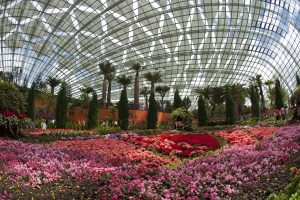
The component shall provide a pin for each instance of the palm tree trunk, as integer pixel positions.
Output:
(136, 90)
(146, 101)
(104, 89)
(108, 94)
(152, 87)
(162, 103)
(52, 90)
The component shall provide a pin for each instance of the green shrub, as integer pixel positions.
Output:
(183, 119)
(11, 124)
(254, 102)
(107, 129)
(11, 98)
(152, 113)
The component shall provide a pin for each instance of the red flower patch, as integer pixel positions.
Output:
(184, 145)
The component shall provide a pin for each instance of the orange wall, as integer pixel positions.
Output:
(135, 116)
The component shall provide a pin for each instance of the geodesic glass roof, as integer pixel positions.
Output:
(191, 42)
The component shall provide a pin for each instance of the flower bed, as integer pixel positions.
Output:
(184, 145)
(247, 136)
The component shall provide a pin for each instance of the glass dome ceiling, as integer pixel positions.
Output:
(193, 43)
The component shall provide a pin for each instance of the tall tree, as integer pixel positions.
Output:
(186, 103)
(137, 67)
(254, 102)
(110, 78)
(85, 98)
(145, 92)
(152, 113)
(53, 82)
(217, 98)
(61, 107)
(202, 112)
(269, 83)
(204, 92)
(30, 101)
(298, 80)
(230, 118)
(92, 121)
(162, 90)
(123, 103)
(278, 95)
(239, 93)
(177, 100)
(40, 85)
(153, 78)
(105, 69)
(261, 92)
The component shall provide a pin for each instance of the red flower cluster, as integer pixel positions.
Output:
(12, 113)
(247, 136)
(184, 145)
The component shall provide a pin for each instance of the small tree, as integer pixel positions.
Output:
(93, 112)
(230, 118)
(278, 95)
(177, 100)
(62, 107)
(202, 113)
(152, 113)
(30, 101)
(254, 102)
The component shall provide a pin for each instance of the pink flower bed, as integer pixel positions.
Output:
(247, 136)
(217, 177)
(184, 145)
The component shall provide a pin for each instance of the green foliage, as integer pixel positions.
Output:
(230, 118)
(186, 103)
(177, 100)
(30, 102)
(11, 98)
(123, 110)
(292, 191)
(254, 102)
(278, 95)
(93, 112)
(296, 96)
(103, 129)
(61, 107)
(180, 113)
(202, 112)
(12, 126)
(152, 113)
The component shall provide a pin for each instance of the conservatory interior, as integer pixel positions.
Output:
(147, 99)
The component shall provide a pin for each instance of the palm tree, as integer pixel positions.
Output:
(154, 77)
(136, 67)
(53, 82)
(145, 92)
(217, 97)
(85, 99)
(110, 78)
(105, 69)
(162, 90)
(269, 83)
(124, 80)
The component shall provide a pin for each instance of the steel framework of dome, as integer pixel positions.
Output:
(193, 43)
